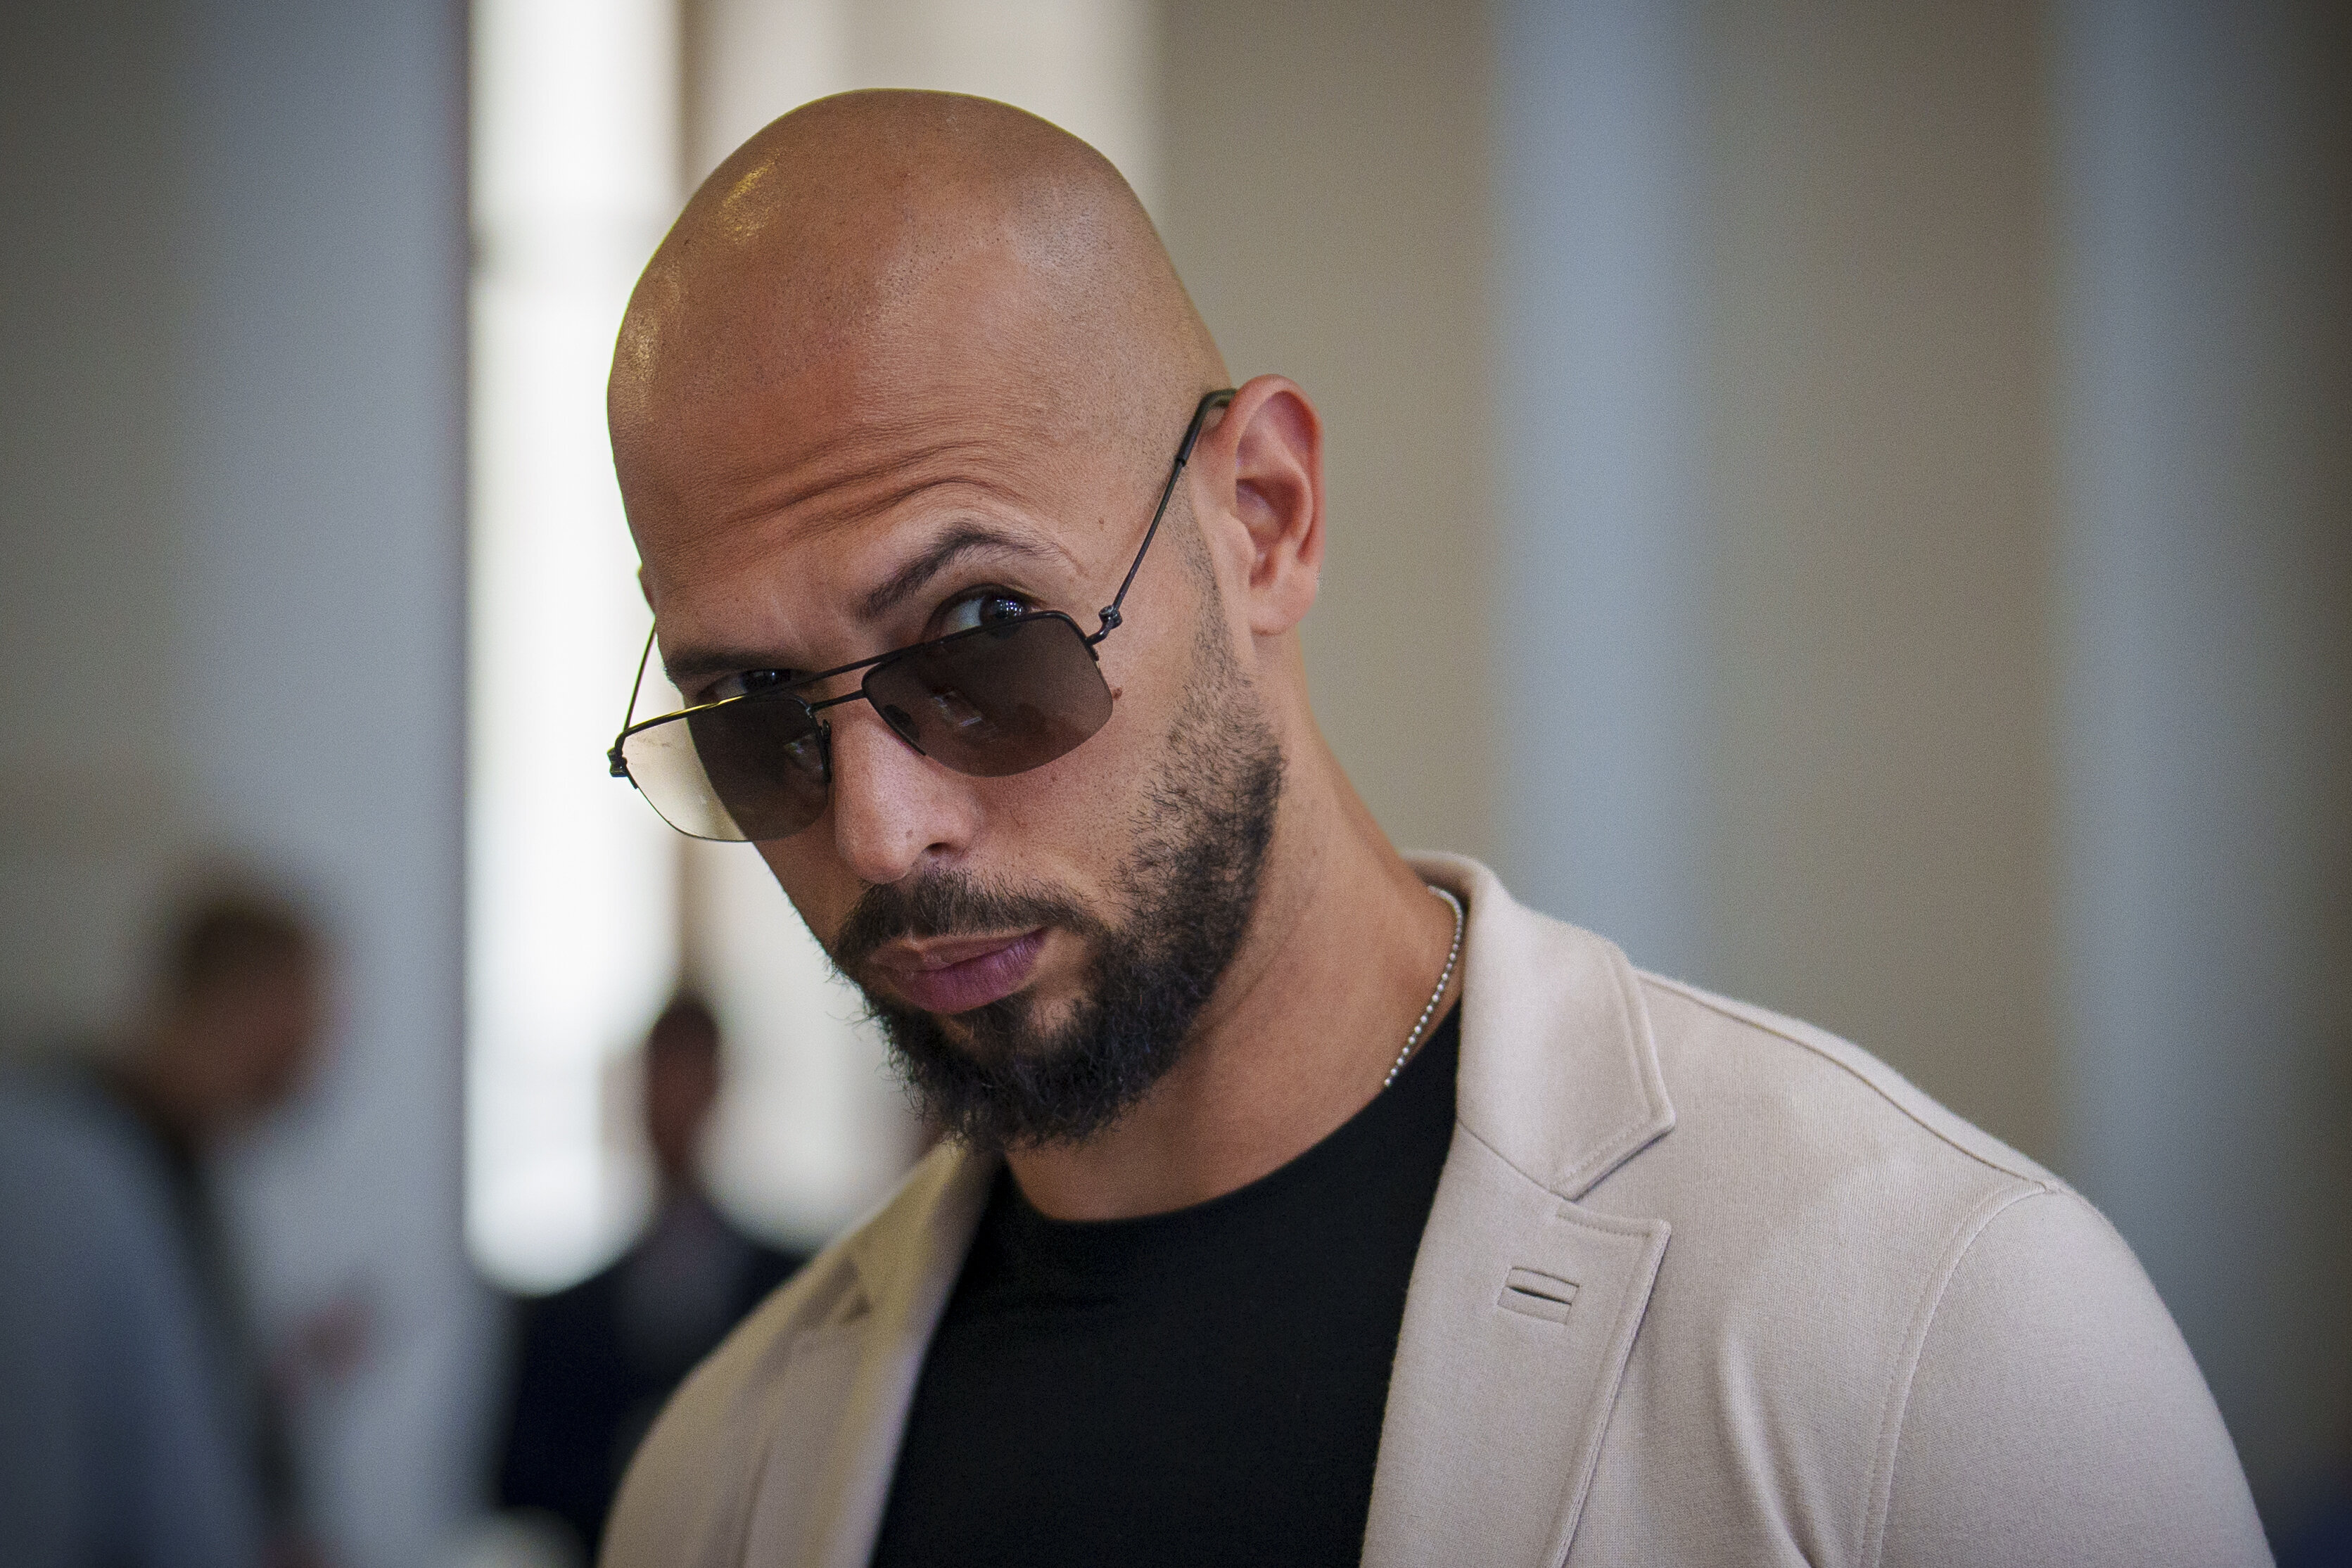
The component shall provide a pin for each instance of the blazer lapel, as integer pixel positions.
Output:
(1524, 1306)
(819, 1505)
(1522, 1312)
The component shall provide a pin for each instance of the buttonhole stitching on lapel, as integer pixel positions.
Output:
(1537, 1294)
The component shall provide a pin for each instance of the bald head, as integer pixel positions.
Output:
(870, 258)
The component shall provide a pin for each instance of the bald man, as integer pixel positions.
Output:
(1304, 1202)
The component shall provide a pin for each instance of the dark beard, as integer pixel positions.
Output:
(1202, 840)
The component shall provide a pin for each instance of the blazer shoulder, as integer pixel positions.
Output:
(2052, 1412)
(1715, 1041)
(1816, 1199)
(1920, 1324)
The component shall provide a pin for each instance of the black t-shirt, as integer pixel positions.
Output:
(1198, 1387)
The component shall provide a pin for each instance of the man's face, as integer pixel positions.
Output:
(1037, 945)
(252, 1035)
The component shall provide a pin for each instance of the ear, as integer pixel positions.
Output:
(1263, 467)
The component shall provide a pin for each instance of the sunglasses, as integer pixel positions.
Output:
(987, 702)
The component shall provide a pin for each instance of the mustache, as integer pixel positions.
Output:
(948, 903)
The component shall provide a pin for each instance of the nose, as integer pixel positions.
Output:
(893, 807)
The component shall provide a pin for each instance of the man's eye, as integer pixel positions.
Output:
(989, 607)
(745, 683)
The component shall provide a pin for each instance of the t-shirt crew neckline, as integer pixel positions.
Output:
(1121, 1246)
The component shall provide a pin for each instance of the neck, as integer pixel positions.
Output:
(1342, 953)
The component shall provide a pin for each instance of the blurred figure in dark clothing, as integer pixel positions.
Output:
(137, 1426)
(594, 1362)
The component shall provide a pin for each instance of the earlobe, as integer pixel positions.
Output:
(1273, 439)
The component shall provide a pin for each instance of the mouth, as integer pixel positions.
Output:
(957, 975)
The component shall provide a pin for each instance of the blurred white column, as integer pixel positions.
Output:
(572, 880)
(1089, 65)
(1601, 642)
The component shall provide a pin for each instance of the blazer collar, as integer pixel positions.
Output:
(1524, 1305)
(920, 1233)
(1560, 1073)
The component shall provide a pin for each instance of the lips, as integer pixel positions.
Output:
(959, 975)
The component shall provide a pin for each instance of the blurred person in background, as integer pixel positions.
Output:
(137, 1423)
(594, 1362)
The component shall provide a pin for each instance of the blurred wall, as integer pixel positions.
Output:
(1325, 195)
(92, 789)
(234, 299)
(1877, 467)
(2205, 590)
(1776, 557)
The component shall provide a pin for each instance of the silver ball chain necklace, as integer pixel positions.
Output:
(1453, 955)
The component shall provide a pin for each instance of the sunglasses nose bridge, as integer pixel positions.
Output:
(900, 723)
(896, 720)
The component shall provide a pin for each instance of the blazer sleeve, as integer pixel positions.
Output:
(2055, 1417)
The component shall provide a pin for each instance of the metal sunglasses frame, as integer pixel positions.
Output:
(1109, 616)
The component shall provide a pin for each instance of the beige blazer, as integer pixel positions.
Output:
(1701, 1285)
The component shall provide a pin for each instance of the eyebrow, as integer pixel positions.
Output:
(965, 538)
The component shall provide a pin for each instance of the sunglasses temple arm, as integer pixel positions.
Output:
(612, 758)
(1110, 616)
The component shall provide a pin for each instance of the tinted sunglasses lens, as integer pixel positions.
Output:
(752, 769)
(997, 700)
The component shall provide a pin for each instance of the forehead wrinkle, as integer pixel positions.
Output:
(821, 509)
(845, 466)
(853, 487)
